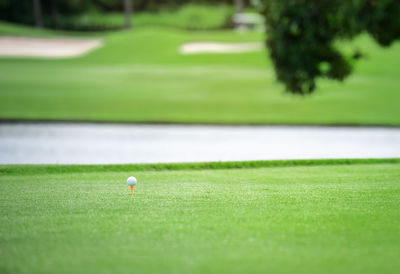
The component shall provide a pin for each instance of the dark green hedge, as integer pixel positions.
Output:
(21, 11)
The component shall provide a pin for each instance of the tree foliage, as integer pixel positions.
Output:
(301, 36)
(21, 11)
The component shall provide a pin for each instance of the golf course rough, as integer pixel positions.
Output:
(328, 218)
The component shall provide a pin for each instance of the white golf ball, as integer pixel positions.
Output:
(131, 181)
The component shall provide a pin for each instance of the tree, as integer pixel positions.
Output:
(37, 13)
(128, 7)
(55, 13)
(301, 36)
(239, 4)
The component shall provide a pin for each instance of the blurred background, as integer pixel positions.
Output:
(175, 62)
(101, 15)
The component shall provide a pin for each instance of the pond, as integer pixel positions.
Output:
(81, 143)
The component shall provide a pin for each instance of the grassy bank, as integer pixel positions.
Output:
(290, 219)
(140, 76)
(57, 169)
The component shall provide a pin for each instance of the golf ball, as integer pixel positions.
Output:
(131, 181)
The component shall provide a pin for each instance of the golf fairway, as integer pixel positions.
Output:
(334, 218)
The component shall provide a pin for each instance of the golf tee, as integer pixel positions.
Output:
(131, 190)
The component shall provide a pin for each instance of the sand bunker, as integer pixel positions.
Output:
(215, 47)
(46, 47)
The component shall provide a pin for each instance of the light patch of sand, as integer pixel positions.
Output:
(215, 47)
(46, 47)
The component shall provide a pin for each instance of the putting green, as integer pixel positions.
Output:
(297, 217)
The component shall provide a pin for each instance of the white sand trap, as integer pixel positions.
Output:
(215, 47)
(45, 47)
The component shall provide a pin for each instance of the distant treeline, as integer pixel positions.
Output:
(53, 12)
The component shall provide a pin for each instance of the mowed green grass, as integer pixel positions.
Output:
(140, 76)
(293, 219)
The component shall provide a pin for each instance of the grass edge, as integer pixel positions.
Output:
(56, 169)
